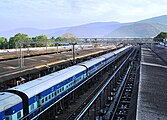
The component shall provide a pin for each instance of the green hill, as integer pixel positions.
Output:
(160, 19)
(135, 30)
(160, 37)
(145, 28)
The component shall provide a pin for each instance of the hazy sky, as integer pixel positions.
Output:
(46, 14)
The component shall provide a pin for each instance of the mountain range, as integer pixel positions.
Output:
(144, 28)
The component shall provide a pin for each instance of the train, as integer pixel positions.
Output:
(36, 95)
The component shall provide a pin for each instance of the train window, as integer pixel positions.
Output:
(46, 98)
(52, 94)
(49, 96)
(75, 81)
(32, 106)
(42, 100)
(62, 88)
(18, 114)
(55, 93)
(7, 118)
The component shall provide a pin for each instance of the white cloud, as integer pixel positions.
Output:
(56, 13)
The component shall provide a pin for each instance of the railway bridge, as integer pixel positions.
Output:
(117, 40)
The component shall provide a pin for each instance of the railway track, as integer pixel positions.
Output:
(93, 92)
(33, 69)
(126, 84)
(87, 101)
(74, 110)
(15, 55)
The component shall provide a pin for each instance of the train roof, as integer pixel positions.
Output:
(108, 55)
(121, 49)
(39, 85)
(92, 62)
(8, 100)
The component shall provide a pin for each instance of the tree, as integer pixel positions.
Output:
(68, 38)
(72, 39)
(12, 43)
(41, 40)
(3, 43)
(58, 39)
(53, 38)
(18, 40)
(160, 37)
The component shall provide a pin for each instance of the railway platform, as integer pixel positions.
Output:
(152, 97)
(37, 66)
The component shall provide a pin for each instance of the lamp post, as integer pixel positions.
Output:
(21, 56)
(73, 51)
(57, 45)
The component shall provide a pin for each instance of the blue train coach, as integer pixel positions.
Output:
(10, 106)
(32, 97)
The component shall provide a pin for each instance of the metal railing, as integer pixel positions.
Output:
(100, 91)
(36, 116)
